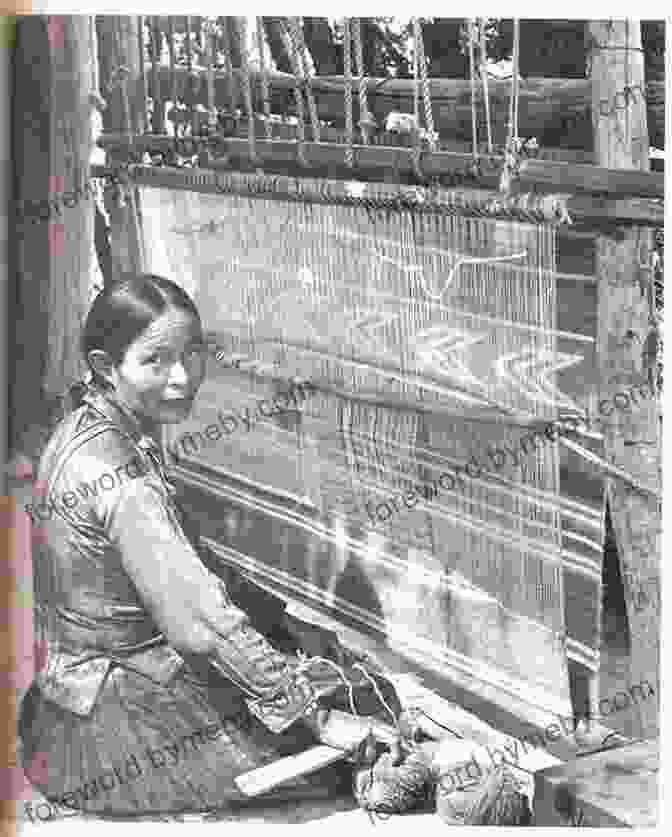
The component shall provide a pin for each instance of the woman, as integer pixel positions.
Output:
(144, 702)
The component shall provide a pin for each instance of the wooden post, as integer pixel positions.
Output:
(53, 219)
(625, 318)
(118, 47)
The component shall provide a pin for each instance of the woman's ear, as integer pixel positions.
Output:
(102, 365)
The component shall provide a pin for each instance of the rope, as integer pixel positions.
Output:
(426, 91)
(291, 50)
(210, 29)
(143, 79)
(514, 80)
(347, 71)
(155, 41)
(173, 74)
(365, 119)
(263, 66)
(472, 80)
(241, 24)
(510, 169)
(231, 91)
(484, 79)
(190, 90)
(299, 47)
(416, 150)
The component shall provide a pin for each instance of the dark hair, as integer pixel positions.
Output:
(122, 311)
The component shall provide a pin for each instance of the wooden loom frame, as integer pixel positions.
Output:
(477, 202)
(593, 196)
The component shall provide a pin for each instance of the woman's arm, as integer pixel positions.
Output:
(188, 603)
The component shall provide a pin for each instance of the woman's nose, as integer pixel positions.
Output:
(179, 374)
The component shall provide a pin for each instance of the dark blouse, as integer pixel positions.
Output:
(116, 575)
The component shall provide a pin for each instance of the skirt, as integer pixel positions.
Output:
(149, 749)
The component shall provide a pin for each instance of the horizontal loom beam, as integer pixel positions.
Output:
(549, 107)
(547, 174)
(592, 209)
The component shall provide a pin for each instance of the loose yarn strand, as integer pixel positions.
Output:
(378, 693)
(307, 662)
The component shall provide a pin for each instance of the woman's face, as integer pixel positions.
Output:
(162, 369)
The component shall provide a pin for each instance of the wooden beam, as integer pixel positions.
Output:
(596, 179)
(626, 310)
(556, 111)
(382, 162)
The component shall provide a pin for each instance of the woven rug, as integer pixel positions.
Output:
(431, 339)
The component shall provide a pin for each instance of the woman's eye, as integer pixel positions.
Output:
(156, 357)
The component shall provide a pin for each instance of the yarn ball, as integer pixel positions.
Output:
(386, 787)
(497, 800)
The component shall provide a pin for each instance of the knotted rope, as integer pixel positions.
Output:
(472, 81)
(300, 50)
(416, 149)
(347, 71)
(426, 90)
(365, 119)
(210, 30)
(291, 50)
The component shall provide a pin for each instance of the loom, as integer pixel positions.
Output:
(436, 326)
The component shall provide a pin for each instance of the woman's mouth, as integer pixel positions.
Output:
(178, 402)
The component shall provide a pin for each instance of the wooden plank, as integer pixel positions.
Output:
(618, 787)
(263, 779)
(574, 177)
(626, 309)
